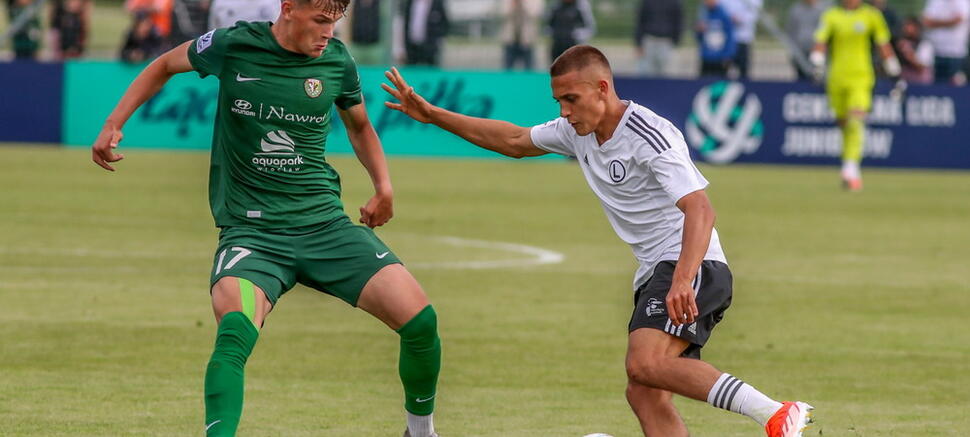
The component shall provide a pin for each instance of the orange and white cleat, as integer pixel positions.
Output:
(790, 420)
(852, 184)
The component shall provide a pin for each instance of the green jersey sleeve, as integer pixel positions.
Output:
(824, 31)
(208, 52)
(880, 30)
(350, 87)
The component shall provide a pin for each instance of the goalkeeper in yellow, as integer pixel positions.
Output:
(847, 31)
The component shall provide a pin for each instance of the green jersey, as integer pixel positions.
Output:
(274, 112)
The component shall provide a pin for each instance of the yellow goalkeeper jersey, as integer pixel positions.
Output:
(849, 34)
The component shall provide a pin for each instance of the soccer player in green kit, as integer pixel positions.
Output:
(277, 200)
(849, 30)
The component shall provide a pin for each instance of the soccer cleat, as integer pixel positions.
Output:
(852, 184)
(407, 433)
(790, 420)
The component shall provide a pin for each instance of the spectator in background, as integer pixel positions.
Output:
(225, 13)
(190, 19)
(520, 30)
(144, 42)
(744, 17)
(571, 22)
(69, 25)
(658, 29)
(26, 41)
(915, 54)
(715, 39)
(425, 24)
(947, 27)
(803, 18)
(365, 32)
(159, 11)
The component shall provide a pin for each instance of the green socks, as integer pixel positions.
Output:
(419, 364)
(224, 375)
(420, 361)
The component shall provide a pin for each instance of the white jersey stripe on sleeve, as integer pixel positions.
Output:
(643, 135)
(637, 117)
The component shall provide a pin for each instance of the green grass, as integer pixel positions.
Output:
(853, 302)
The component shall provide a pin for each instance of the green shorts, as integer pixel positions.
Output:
(337, 258)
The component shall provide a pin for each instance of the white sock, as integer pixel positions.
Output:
(851, 170)
(421, 426)
(735, 395)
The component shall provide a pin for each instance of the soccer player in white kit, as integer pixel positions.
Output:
(638, 165)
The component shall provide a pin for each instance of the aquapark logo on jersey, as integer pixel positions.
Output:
(725, 122)
(279, 153)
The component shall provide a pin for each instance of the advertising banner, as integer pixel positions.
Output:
(791, 123)
(30, 102)
(181, 115)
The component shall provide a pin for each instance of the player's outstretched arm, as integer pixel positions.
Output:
(367, 146)
(495, 135)
(146, 85)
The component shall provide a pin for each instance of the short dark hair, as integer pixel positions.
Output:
(332, 6)
(577, 57)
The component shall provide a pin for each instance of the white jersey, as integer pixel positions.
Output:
(638, 175)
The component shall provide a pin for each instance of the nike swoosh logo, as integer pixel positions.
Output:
(210, 425)
(381, 256)
(419, 400)
(241, 78)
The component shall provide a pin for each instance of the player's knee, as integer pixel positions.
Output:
(422, 329)
(234, 339)
(643, 369)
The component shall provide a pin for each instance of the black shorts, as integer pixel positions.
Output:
(712, 291)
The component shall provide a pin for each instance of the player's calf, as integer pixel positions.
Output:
(224, 374)
(419, 365)
(655, 410)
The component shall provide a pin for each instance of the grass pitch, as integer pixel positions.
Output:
(855, 303)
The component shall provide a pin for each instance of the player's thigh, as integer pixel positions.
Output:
(260, 258)
(393, 296)
(859, 99)
(837, 92)
(230, 294)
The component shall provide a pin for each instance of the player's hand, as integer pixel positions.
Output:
(411, 103)
(378, 210)
(817, 59)
(681, 306)
(102, 152)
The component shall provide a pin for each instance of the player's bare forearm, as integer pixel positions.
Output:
(495, 135)
(148, 82)
(886, 51)
(367, 147)
(698, 225)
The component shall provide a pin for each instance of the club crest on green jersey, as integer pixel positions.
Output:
(313, 88)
